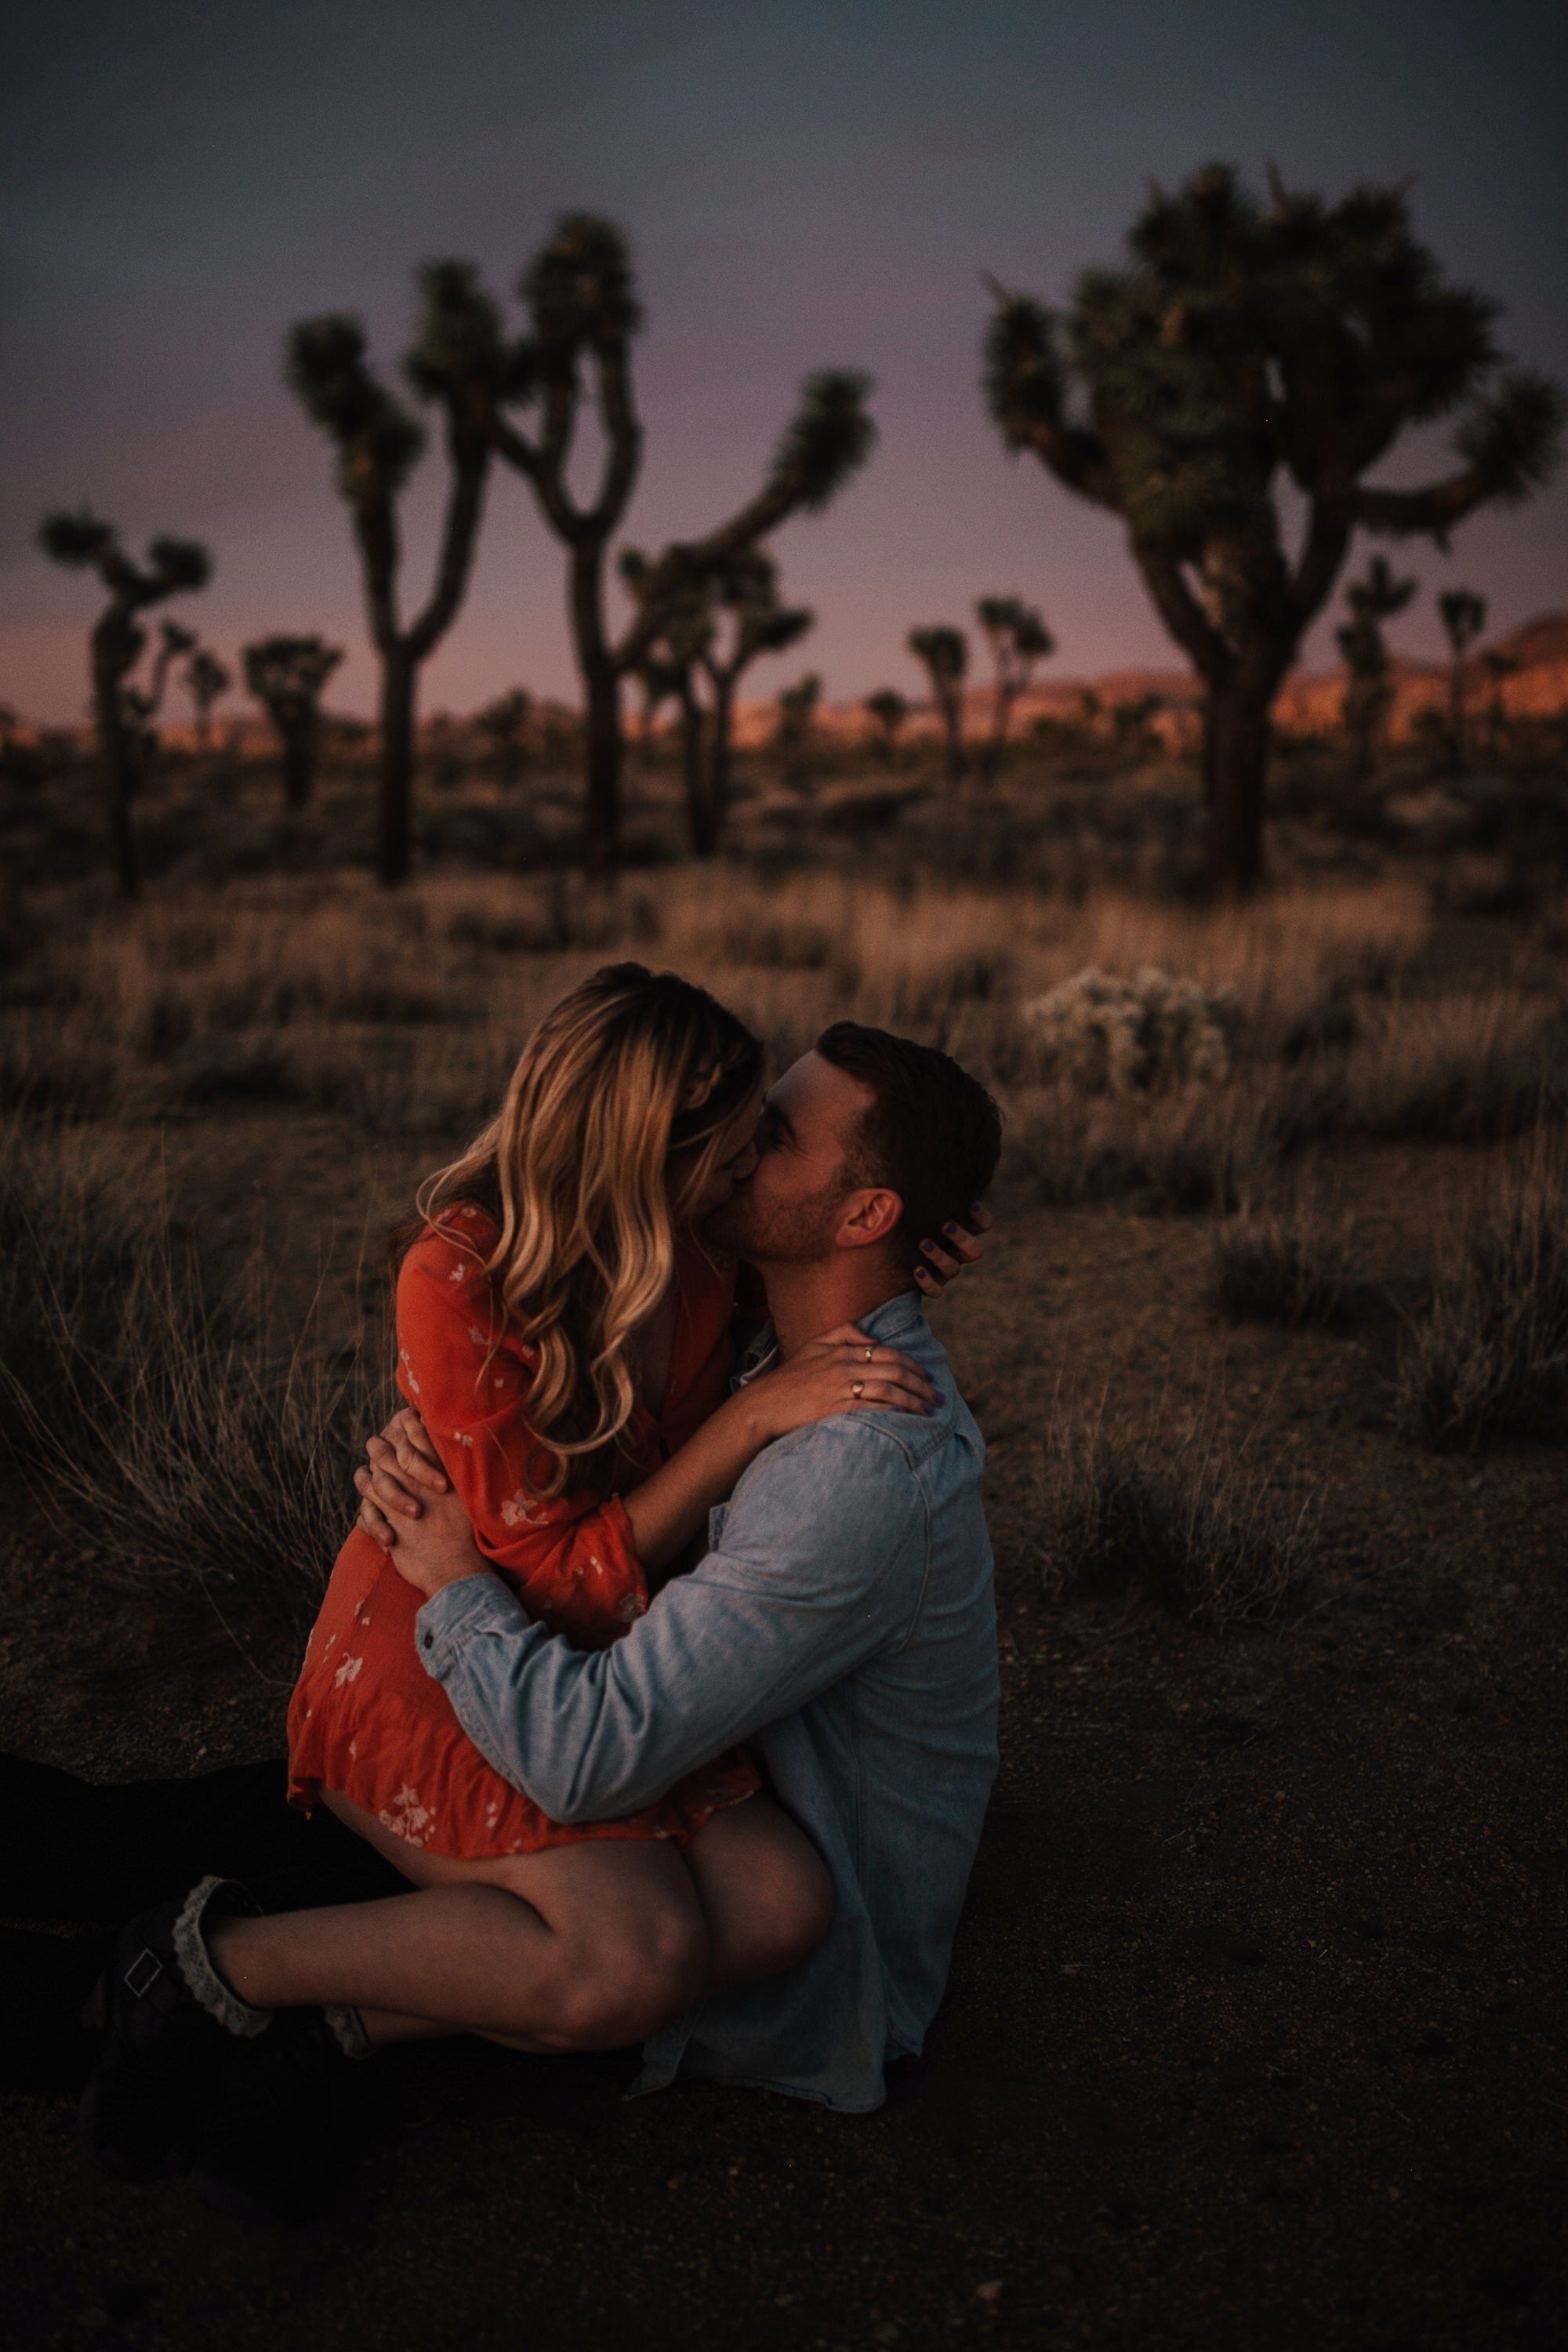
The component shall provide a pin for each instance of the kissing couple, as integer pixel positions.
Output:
(653, 1698)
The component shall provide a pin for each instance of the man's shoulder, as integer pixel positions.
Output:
(845, 1457)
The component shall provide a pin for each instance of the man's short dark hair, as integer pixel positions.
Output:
(931, 1133)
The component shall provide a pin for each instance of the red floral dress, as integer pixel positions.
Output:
(365, 1718)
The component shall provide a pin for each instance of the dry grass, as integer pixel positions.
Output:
(162, 1416)
(75, 1228)
(1200, 1523)
(1489, 1358)
(1291, 1266)
(177, 1411)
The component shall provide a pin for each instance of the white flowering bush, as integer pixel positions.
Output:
(1112, 1035)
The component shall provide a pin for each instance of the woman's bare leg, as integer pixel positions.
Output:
(764, 1890)
(589, 1945)
(586, 1947)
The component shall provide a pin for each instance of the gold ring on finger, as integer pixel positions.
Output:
(857, 1387)
(870, 1353)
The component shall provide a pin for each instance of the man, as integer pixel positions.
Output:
(842, 1622)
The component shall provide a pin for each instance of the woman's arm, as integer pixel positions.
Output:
(843, 1372)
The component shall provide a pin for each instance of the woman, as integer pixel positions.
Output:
(566, 1339)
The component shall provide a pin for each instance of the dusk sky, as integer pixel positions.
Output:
(804, 182)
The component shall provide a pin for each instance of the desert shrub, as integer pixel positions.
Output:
(1488, 1358)
(1199, 1525)
(1290, 1266)
(1121, 1037)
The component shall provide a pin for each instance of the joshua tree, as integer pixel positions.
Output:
(1369, 691)
(1131, 733)
(144, 702)
(1498, 668)
(749, 621)
(286, 676)
(584, 310)
(944, 654)
(1464, 616)
(668, 671)
(459, 361)
(172, 567)
(1018, 638)
(1242, 342)
(887, 710)
(206, 682)
(714, 631)
(792, 736)
(504, 724)
(654, 677)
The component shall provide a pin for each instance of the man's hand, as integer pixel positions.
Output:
(408, 1507)
(962, 1248)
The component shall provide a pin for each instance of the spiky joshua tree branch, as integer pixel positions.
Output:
(1245, 344)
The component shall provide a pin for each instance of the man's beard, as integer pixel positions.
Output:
(789, 1233)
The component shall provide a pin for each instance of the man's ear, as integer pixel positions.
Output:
(868, 1217)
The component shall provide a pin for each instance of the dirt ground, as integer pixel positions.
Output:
(1255, 2027)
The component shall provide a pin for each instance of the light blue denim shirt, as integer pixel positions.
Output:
(843, 1623)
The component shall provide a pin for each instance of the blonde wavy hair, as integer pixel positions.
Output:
(613, 1119)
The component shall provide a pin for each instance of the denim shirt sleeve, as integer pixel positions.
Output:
(818, 1566)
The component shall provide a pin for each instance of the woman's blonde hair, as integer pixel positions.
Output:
(628, 1072)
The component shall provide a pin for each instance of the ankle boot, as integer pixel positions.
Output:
(169, 2022)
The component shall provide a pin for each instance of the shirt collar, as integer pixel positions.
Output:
(896, 1314)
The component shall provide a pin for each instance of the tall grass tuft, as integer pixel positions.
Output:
(1489, 1358)
(80, 1215)
(1201, 1525)
(166, 1423)
(1290, 1266)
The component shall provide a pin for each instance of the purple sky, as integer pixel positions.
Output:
(805, 181)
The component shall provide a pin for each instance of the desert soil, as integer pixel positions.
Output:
(1255, 2027)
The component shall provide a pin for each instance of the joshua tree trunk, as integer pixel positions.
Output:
(1234, 762)
(118, 743)
(1456, 715)
(953, 729)
(701, 809)
(720, 760)
(1002, 716)
(395, 846)
(299, 764)
(602, 698)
